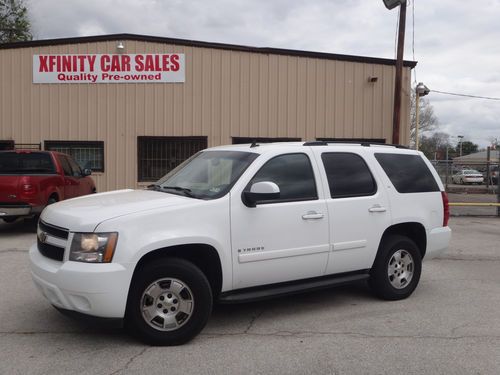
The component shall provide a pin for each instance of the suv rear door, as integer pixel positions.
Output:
(358, 208)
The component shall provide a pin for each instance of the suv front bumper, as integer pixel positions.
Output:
(93, 289)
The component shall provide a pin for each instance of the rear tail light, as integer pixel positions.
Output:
(446, 209)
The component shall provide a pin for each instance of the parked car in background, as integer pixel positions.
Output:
(31, 180)
(468, 176)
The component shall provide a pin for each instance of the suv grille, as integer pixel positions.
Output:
(51, 240)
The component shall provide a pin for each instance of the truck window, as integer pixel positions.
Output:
(292, 173)
(65, 165)
(26, 163)
(408, 173)
(348, 175)
(77, 171)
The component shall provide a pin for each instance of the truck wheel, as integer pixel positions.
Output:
(51, 200)
(397, 267)
(169, 302)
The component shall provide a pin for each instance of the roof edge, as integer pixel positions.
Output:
(196, 43)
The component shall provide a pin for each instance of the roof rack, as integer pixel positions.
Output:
(362, 143)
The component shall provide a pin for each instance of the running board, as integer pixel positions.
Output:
(294, 287)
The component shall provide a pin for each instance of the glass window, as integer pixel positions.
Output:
(408, 173)
(26, 163)
(292, 173)
(77, 171)
(207, 175)
(88, 154)
(65, 165)
(159, 155)
(348, 175)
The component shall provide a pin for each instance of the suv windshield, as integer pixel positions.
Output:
(206, 175)
(26, 163)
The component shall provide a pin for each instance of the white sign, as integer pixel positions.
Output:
(109, 68)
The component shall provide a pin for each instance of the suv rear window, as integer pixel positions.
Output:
(26, 163)
(408, 173)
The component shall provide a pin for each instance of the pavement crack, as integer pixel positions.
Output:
(252, 321)
(130, 361)
(354, 334)
(14, 250)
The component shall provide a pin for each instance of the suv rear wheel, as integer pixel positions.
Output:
(396, 270)
(169, 302)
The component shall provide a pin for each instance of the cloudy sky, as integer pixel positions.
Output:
(456, 42)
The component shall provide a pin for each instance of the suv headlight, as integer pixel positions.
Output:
(93, 247)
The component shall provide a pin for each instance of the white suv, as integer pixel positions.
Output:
(240, 223)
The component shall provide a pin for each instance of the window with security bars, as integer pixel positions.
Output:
(159, 155)
(88, 154)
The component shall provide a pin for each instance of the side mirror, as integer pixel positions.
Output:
(260, 192)
(86, 172)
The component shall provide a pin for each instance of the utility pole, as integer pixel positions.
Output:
(396, 118)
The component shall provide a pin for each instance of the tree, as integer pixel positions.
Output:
(467, 148)
(427, 119)
(14, 23)
(435, 145)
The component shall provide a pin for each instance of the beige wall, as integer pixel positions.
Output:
(226, 94)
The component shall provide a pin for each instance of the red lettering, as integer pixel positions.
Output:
(126, 63)
(105, 63)
(165, 63)
(43, 64)
(149, 65)
(139, 64)
(82, 63)
(52, 62)
(91, 62)
(66, 64)
(174, 63)
(115, 63)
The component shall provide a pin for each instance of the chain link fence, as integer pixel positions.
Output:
(472, 187)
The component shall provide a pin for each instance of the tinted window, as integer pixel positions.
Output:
(348, 175)
(77, 171)
(26, 163)
(408, 173)
(65, 165)
(292, 173)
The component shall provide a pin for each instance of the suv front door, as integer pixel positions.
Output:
(283, 239)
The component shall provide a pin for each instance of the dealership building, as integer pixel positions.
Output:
(132, 107)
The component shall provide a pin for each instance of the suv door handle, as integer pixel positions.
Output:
(313, 215)
(377, 208)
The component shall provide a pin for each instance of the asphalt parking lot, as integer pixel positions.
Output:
(450, 325)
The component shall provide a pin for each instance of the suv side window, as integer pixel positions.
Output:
(408, 173)
(293, 174)
(65, 166)
(348, 175)
(77, 171)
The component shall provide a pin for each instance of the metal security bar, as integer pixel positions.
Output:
(28, 146)
(159, 155)
(88, 154)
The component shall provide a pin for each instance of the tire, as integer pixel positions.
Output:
(51, 200)
(174, 289)
(396, 271)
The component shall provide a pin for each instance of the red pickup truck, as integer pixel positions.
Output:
(31, 180)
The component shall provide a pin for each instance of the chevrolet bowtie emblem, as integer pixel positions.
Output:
(42, 237)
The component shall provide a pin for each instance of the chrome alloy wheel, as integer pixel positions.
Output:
(167, 304)
(400, 269)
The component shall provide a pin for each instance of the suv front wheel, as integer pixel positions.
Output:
(169, 302)
(397, 267)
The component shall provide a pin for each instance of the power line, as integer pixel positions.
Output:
(464, 95)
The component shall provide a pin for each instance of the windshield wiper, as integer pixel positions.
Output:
(184, 190)
(153, 187)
